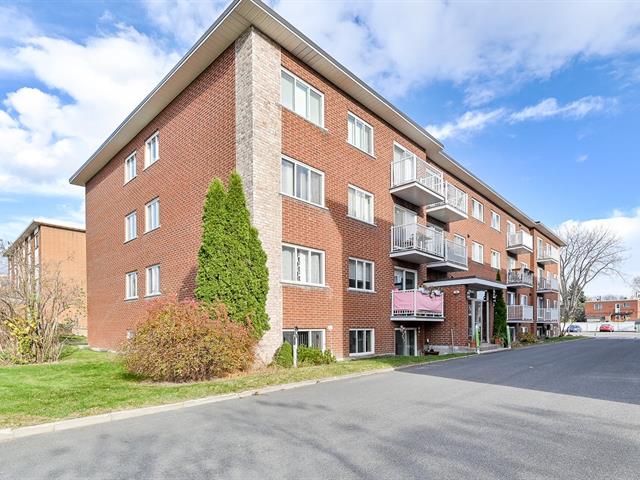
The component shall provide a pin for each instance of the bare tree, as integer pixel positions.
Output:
(36, 306)
(635, 287)
(590, 252)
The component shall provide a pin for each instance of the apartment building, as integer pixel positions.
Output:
(54, 246)
(612, 310)
(377, 241)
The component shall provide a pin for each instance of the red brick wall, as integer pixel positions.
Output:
(197, 143)
(330, 229)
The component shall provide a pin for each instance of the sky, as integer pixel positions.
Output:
(539, 99)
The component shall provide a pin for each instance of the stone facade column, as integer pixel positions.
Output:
(258, 150)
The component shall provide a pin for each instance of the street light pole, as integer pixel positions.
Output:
(295, 347)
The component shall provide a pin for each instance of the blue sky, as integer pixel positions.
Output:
(540, 100)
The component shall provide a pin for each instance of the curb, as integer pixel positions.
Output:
(8, 434)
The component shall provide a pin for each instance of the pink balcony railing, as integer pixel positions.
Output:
(417, 303)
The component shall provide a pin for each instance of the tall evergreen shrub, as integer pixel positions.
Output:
(500, 315)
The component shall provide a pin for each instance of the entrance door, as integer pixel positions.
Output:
(406, 341)
(480, 319)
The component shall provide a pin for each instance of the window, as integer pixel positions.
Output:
(131, 286)
(302, 265)
(361, 275)
(540, 247)
(308, 338)
(512, 263)
(302, 182)
(404, 279)
(361, 341)
(130, 226)
(597, 306)
(152, 215)
(130, 168)
(477, 209)
(495, 259)
(360, 204)
(153, 280)
(360, 133)
(301, 98)
(152, 150)
(477, 252)
(626, 305)
(511, 298)
(511, 228)
(495, 220)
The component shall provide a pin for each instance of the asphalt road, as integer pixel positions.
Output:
(563, 411)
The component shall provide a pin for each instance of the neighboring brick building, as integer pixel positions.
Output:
(612, 310)
(53, 246)
(356, 204)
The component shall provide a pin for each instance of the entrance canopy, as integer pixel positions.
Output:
(472, 282)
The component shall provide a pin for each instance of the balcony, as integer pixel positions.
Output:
(520, 242)
(548, 285)
(548, 315)
(549, 254)
(417, 304)
(455, 258)
(519, 313)
(417, 243)
(522, 278)
(415, 181)
(452, 208)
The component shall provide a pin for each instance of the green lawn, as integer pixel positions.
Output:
(88, 383)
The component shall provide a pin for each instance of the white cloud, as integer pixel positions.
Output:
(550, 107)
(186, 20)
(45, 134)
(474, 121)
(468, 123)
(627, 226)
(582, 158)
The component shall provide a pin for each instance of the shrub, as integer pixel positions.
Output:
(284, 356)
(528, 338)
(500, 316)
(314, 356)
(188, 341)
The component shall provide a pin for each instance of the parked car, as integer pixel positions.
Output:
(574, 328)
(607, 327)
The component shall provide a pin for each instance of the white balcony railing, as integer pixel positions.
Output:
(456, 252)
(414, 236)
(523, 276)
(453, 197)
(520, 313)
(549, 252)
(548, 314)
(413, 169)
(520, 239)
(417, 303)
(548, 284)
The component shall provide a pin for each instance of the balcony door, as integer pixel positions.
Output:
(404, 165)
(404, 216)
(406, 342)
(404, 278)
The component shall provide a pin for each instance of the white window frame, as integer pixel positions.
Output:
(131, 159)
(148, 161)
(373, 275)
(404, 276)
(495, 225)
(511, 227)
(356, 119)
(148, 274)
(475, 202)
(128, 295)
(128, 234)
(473, 252)
(297, 164)
(147, 217)
(373, 341)
(495, 254)
(365, 193)
(310, 330)
(310, 88)
(310, 250)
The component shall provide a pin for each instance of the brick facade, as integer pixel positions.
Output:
(612, 310)
(230, 117)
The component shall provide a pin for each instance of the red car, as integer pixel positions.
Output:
(607, 327)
